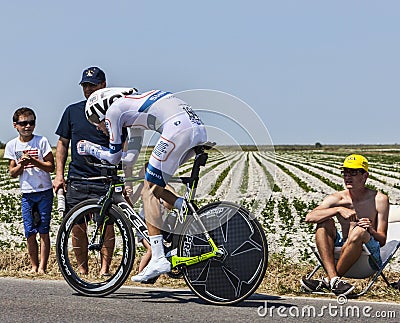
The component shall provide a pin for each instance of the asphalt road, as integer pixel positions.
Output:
(23, 300)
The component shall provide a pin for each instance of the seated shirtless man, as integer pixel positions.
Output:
(363, 217)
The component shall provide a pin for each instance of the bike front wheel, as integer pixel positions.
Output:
(81, 255)
(236, 275)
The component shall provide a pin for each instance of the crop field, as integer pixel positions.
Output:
(279, 188)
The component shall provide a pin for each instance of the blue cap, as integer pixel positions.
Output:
(93, 75)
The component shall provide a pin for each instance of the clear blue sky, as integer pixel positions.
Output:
(314, 71)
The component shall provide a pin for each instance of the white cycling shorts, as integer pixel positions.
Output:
(174, 148)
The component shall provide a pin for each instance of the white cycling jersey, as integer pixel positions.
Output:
(180, 128)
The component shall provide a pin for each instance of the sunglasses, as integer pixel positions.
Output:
(25, 123)
(352, 172)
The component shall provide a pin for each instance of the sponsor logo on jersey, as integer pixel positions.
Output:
(157, 95)
(193, 117)
(93, 98)
(154, 174)
(153, 98)
(161, 148)
(106, 102)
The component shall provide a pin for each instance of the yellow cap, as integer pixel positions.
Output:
(356, 161)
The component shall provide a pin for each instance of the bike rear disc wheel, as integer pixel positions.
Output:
(237, 274)
(72, 243)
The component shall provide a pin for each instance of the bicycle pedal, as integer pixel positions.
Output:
(175, 273)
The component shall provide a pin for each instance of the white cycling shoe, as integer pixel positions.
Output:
(155, 268)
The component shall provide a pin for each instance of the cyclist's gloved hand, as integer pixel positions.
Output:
(86, 147)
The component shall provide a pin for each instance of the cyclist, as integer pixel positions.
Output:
(113, 110)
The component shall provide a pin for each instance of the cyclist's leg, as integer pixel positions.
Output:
(151, 207)
(172, 149)
(164, 209)
(151, 195)
(158, 263)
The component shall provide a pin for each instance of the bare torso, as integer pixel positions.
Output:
(365, 207)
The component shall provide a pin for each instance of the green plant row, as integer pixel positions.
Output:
(270, 178)
(323, 179)
(298, 180)
(222, 176)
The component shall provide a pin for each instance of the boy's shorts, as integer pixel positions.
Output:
(372, 245)
(43, 203)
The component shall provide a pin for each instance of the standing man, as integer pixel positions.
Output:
(362, 214)
(74, 127)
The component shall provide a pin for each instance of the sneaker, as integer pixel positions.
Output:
(341, 287)
(155, 268)
(314, 285)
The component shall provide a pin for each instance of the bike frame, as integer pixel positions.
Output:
(114, 196)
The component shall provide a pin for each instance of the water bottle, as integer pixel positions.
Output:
(60, 201)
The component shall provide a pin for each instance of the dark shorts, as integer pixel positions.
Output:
(372, 245)
(40, 203)
(79, 191)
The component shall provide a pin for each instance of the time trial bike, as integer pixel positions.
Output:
(220, 249)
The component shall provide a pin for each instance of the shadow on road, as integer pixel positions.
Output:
(185, 296)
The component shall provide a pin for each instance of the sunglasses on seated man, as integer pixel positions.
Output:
(352, 171)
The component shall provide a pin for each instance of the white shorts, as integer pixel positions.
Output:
(174, 148)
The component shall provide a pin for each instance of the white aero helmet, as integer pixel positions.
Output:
(99, 102)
